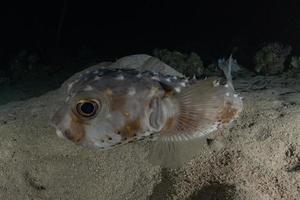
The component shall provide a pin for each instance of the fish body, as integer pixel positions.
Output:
(109, 107)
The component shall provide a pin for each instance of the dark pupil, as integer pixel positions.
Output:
(87, 108)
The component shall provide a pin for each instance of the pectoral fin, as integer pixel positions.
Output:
(204, 107)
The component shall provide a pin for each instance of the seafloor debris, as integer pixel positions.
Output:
(270, 59)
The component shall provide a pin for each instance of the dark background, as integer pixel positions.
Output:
(111, 29)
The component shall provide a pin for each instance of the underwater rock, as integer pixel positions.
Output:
(190, 65)
(270, 59)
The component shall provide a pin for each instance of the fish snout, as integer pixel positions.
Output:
(73, 136)
(67, 127)
(59, 133)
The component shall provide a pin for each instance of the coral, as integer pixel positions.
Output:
(269, 60)
(212, 69)
(235, 67)
(190, 65)
(295, 62)
(215, 68)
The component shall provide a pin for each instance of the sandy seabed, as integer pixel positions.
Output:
(259, 157)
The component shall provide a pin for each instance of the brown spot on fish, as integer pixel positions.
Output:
(169, 90)
(76, 132)
(130, 129)
(127, 114)
(109, 92)
(118, 103)
(68, 134)
(169, 93)
(227, 113)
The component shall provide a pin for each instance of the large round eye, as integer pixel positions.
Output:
(87, 108)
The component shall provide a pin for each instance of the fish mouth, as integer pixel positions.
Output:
(58, 131)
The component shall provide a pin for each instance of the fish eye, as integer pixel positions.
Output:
(87, 108)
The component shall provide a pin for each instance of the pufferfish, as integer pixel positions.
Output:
(109, 107)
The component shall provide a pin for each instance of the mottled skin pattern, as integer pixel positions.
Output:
(126, 98)
(133, 105)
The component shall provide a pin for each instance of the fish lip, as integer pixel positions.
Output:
(58, 131)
